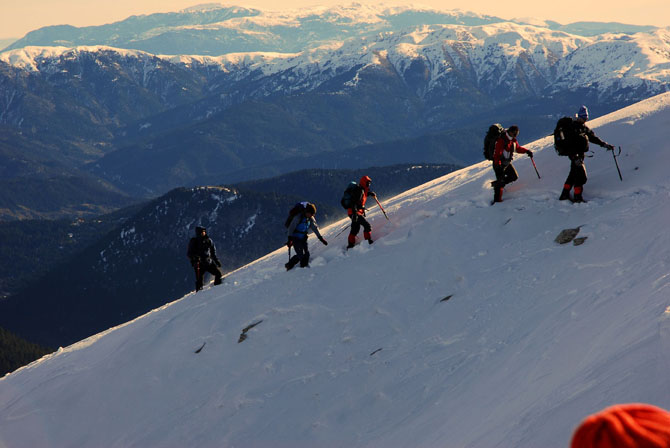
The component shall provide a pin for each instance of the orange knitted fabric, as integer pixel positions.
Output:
(634, 425)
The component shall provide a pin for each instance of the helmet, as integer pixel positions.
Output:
(583, 113)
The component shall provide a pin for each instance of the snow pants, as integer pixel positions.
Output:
(505, 174)
(201, 268)
(577, 176)
(358, 221)
(301, 253)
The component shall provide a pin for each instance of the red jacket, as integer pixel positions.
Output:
(359, 203)
(505, 149)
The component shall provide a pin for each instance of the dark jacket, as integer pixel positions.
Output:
(201, 249)
(580, 128)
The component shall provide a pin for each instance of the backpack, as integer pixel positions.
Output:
(567, 141)
(494, 132)
(351, 195)
(295, 210)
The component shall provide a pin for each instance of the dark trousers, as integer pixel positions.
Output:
(505, 174)
(358, 221)
(301, 253)
(577, 176)
(201, 268)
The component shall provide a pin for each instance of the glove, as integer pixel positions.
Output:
(325, 243)
(289, 243)
(530, 153)
(609, 147)
(373, 194)
(217, 262)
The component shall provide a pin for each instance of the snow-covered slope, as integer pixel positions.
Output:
(362, 350)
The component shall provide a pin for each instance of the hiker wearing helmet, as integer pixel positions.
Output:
(202, 253)
(357, 212)
(578, 146)
(300, 224)
(506, 146)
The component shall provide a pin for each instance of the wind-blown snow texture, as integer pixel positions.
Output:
(536, 335)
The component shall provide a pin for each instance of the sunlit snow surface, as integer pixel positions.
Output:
(360, 351)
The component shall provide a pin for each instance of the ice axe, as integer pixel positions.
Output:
(535, 166)
(382, 208)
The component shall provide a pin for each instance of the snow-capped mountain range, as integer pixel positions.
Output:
(120, 109)
(463, 325)
(504, 57)
(215, 29)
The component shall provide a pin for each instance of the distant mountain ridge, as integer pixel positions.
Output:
(215, 29)
(219, 30)
(150, 123)
(144, 123)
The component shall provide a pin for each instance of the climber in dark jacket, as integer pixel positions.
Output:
(577, 176)
(202, 253)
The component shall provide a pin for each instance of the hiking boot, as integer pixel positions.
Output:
(289, 266)
(578, 198)
(565, 194)
(370, 241)
(350, 245)
(217, 281)
(497, 195)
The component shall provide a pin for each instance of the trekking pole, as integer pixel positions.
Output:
(343, 229)
(535, 166)
(617, 164)
(382, 208)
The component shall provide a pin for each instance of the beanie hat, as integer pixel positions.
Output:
(634, 425)
(583, 113)
(310, 208)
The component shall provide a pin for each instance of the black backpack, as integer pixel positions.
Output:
(295, 210)
(351, 195)
(567, 141)
(494, 132)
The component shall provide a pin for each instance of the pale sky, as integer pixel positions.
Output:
(17, 17)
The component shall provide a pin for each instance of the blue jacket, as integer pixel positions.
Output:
(300, 225)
